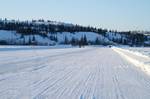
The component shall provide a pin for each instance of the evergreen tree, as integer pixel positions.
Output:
(33, 38)
(97, 41)
(85, 40)
(30, 42)
(66, 41)
(73, 41)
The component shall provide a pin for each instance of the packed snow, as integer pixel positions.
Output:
(138, 59)
(69, 73)
(145, 51)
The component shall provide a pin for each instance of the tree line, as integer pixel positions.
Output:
(43, 28)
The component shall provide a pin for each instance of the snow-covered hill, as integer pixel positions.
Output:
(42, 32)
(11, 37)
(129, 38)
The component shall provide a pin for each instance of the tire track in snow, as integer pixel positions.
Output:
(126, 66)
(95, 74)
(119, 93)
(33, 60)
(65, 77)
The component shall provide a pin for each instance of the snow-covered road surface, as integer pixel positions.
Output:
(73, 73)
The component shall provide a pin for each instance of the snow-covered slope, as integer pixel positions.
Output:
(116, 37)
(78, 35)
(113, 36)
(11, 37)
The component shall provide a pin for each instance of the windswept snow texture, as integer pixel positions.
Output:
(140, 50)
(138, 59)
(70, 73)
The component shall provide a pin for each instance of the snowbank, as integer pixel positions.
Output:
(139, 60)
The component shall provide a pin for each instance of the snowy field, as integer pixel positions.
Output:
(69, 73)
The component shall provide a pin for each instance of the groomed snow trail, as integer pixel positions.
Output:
(73, 73)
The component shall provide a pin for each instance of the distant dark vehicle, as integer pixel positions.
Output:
(109, 46)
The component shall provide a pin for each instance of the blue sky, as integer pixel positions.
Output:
(111, 14)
